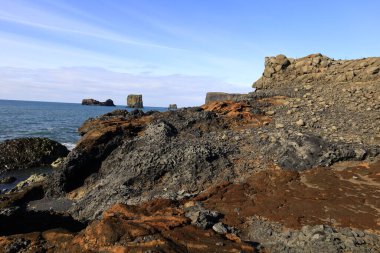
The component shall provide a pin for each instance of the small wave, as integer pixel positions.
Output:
(69, 145)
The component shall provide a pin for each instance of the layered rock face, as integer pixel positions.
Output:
(29, 152)
(135, 101)
(221, 96)
(90, 101)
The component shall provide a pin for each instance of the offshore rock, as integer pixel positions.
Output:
(135, 101)
(29, 152)
(221, 96)
(173, 107)
(90, 101)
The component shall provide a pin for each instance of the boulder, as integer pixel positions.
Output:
(221, 96)
(29, 152)
(135, 101)
(90, 101)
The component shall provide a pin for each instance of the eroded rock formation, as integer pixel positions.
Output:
(90, 101)
(316, 69)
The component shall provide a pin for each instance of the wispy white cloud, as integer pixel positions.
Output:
(74, 84)
(37, 17)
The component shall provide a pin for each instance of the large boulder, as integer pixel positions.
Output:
(90, 101)
(29, 152)
(135, 101)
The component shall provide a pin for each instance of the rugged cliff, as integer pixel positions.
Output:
(317, 69)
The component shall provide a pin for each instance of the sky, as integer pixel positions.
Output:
(168, 50)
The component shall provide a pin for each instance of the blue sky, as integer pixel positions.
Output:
(170, 51)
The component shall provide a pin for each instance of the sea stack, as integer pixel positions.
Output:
(172, 107)
(91, 101)
(135, 101)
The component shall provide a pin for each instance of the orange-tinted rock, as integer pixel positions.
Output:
(157, 226)
(236, 113)
(341, 198)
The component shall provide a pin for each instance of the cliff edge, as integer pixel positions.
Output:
(281, 71)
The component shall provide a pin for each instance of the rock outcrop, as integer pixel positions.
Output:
(316, 69)
(221, 96)
(29, 152)
(135, 101)
(90, 101)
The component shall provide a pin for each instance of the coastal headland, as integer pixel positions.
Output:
(293, 165)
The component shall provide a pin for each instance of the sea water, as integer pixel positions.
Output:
(57, 121)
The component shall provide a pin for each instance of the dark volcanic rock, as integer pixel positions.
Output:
(7, 180)
(90, 101)
(29, 152)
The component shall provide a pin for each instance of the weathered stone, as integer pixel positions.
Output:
(300, 122)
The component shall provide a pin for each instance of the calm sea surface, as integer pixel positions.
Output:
(57, 121)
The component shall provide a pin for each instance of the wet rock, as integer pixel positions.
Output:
(29, 152)
(33, 179)
(7, 180)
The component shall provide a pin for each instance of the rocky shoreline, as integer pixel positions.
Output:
(291, 167)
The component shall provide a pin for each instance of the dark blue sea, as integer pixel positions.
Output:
(57, 121)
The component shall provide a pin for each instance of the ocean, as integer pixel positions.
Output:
(57, 121)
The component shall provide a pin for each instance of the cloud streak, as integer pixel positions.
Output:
(74, 84)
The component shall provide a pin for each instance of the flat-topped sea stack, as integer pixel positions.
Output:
(90, 101)
(222, 96)
(173, 107)
(135, 101)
